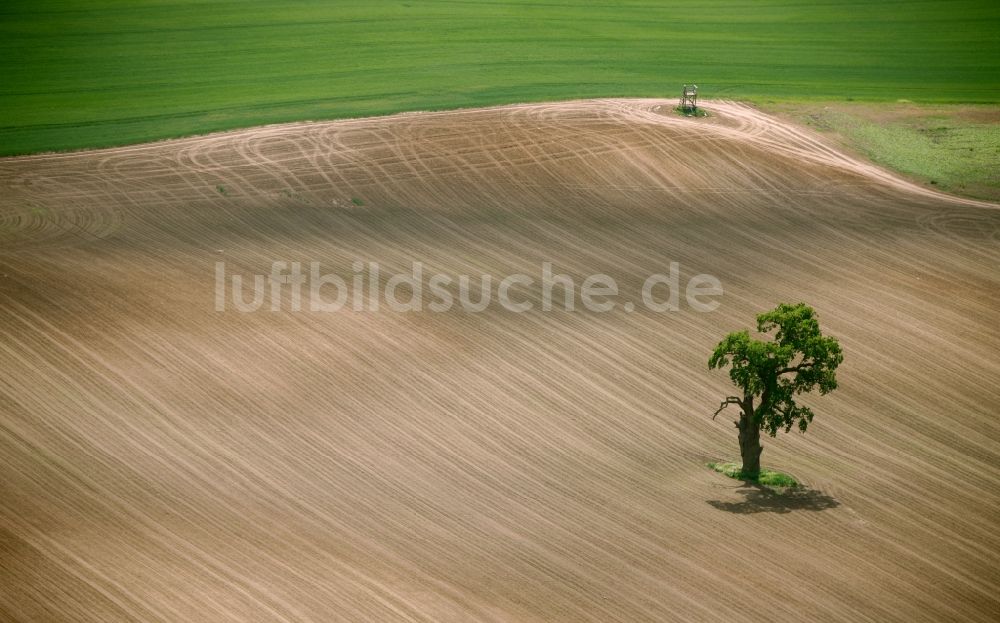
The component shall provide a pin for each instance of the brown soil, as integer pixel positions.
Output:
(163, 461)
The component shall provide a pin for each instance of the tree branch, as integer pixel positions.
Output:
(797, 368)
(730, 400)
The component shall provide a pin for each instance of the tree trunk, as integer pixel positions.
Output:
(750, 446)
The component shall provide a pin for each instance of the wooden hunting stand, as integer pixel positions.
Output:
(689, 98)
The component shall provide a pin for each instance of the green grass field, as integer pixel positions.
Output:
(955, 148)
(106, 72)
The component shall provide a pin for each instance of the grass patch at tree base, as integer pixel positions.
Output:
(766, 477)
(691, 112)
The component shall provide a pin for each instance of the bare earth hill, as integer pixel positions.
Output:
(162, 461)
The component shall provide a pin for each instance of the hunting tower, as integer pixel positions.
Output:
(689, 98)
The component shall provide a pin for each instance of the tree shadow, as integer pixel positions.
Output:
(761, 499)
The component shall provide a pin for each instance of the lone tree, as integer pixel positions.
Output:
(770, 373)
